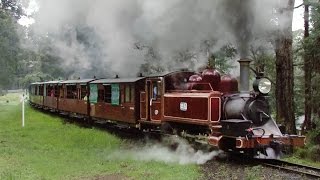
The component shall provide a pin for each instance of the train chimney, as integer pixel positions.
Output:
(244, 74)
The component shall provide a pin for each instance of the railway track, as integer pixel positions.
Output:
(307, 171)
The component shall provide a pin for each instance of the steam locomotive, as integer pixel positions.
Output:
(205, 106)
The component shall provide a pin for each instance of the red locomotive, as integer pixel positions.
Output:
(205, 106)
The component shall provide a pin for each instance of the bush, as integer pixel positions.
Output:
(314, 136)
(315, 153)
(312, 149)
(302, 153)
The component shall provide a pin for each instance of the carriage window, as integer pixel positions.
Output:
(132, 93)
(61, 91)
(35, 88)
(56, 91)
(50, 91)
(155, 90)
(84, 92)
(122, 93)
(107, 93)
(41, 90)
(100, 95)
(127, 90)
(93, 93)
(115, 94)
(159, 89)
(72, 92)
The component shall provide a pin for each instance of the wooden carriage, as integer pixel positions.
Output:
(73, 97)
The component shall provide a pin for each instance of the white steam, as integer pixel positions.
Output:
(97, 36)
(183, 153)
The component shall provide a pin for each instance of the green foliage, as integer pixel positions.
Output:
(299, 90)
(224, 58)
(302, 153)
(315, 153)
(9, 49)
(298, 160)
(184, 59)
(308, 48)
(154, 64)
(312, 150)
(152, 60)
(265, 61)
(309, 153)
(12, 7)
(314, 136)
(253, 173)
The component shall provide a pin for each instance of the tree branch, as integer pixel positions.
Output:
(299, 6)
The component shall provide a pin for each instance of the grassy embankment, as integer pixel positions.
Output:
(47, 148)
(306, 156)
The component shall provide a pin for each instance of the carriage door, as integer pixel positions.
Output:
(155, 99)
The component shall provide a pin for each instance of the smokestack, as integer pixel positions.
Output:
(244, 74)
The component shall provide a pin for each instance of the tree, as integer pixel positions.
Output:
(10, 12)
(307, 72)
(224, 58)
(152, 64)
(9, 50)
(12, 7)
(314, 48)
(284, 70)
(263, 61)
(221, 59)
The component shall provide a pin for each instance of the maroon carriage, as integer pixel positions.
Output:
(116, 99)
(51, 95)
(73, 97)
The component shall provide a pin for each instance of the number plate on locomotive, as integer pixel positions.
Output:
(183, 106)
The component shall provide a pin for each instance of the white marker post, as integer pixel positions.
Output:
(22, 99)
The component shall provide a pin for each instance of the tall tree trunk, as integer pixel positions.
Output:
(284, 71)
(315, 12)
(307, 74)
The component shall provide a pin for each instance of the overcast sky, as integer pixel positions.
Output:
(297, 15)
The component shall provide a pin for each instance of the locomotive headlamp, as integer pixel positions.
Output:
(262, 85)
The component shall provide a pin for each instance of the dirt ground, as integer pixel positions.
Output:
(218, 169)
(107, 177)
(228, 169)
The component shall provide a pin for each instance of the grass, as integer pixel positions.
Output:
(306, 161)
(48, 148)
(253, 173)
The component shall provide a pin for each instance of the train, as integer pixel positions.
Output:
(204, 105)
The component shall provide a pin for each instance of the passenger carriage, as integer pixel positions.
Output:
(51, 95)
(73, 97)
(36, 92)
(116, 100)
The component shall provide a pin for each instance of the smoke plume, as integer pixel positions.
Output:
(183, 153)
(96, 37)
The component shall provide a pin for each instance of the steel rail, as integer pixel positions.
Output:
(309, 171)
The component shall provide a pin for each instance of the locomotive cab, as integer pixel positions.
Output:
(181, 101)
